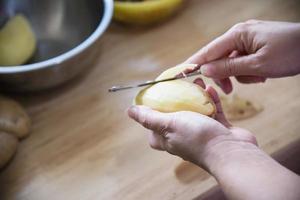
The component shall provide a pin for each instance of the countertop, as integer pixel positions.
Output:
(82, 144)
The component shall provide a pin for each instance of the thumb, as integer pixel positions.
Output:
(151, 119)
(227, 67)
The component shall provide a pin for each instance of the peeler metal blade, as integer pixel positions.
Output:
(181, 76)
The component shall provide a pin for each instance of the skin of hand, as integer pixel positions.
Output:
(229, 153)
(188, 134)
(251, 51)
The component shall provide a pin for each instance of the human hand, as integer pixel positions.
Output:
(230, 154)
(190, 135)
(251, 51)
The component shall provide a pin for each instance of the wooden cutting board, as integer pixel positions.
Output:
(83, 146)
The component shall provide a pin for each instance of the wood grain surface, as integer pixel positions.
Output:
(83, 146)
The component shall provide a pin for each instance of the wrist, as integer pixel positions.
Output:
(245, 172)
(224, 152)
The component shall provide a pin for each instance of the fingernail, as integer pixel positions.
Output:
(200, 82)
(204, 70)
(132, 110)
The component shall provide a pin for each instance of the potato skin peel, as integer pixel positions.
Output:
(238, 108)
(178, 95)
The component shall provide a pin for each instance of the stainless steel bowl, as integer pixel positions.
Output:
(65, 30)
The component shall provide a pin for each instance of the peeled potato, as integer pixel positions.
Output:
(17, 41)
(13, 118)
(173, 71)
(178, 95)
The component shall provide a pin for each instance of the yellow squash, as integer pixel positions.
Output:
(178, 95)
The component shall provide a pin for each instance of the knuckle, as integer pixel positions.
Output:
(178, 119)
(163, 130)
(153, 144)
(257, 63)
(241, 30)
(230, 67)
(174, 118)
(252, 21)
(253, 140)
(144, 120)
(167, 126)
(240, 27)
(170, 148)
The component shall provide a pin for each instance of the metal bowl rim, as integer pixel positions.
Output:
(106, 18)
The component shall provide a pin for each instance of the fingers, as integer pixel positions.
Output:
(200, 82)
(233, 54)
(226, 67)
(219, 114)
(250, 79)
(187, 71)
(218, 48)
(225, 84)
(156, 141)
(215, 97)
(223, 58)
(151, 119)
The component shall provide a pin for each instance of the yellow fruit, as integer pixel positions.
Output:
(17, 41)
(145, 12)
(178, 95)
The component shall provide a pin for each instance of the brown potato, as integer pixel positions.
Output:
(8, 147)
(13, 118)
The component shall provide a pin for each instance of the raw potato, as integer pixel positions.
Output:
(14, 124)
(236, 108)
(176, 95)
(17, 41)
(13, 118)
(8, 147)
(145, 12)
(173, 71)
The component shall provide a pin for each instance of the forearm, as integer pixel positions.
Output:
(245, 172)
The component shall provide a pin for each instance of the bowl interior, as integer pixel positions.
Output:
(59, 25)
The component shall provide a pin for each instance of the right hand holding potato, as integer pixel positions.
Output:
(251, 51)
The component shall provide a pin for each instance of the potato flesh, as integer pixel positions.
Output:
(173, 71)
(173, 96)
(17, 41)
